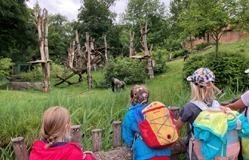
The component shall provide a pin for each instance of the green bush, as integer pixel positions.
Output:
(37, 75)
(228, 69)
(180, 53)
(131, 71)
(202, 46)
(5, 70)
(159, 56)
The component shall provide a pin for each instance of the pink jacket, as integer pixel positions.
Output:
(69, 151)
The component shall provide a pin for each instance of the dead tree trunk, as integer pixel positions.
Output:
(147, 53)
(79, 61)
(71, 55)
(42, 26)
(89, 77)
(106, 58)
(132, 49)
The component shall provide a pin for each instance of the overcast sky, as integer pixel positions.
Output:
(69, 8)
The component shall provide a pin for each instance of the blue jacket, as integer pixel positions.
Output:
(129, 130)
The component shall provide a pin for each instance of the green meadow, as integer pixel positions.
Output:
(21, 111)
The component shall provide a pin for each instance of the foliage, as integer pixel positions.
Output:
(160, 58)
(173, 43)
(242, 22)
(37, 75)
(95, 18)
(201, 17)
(60, 32)
(152, 12)
(17, 30)
(228, 69)
(129, 70)
(201, 46)
(180, 53)
(5, 64)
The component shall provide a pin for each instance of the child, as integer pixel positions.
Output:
(139, 96)
(202, 89)
(242, 104)
(55, 145)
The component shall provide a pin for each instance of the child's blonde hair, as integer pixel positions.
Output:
(139, 94)
(201, 94)
(55, 123)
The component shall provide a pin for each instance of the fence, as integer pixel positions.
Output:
(118, 152)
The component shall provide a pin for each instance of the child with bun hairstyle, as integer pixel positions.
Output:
(139, 98)
(55, 143)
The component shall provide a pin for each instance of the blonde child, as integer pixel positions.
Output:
(139, 98)
(55, 144)
(202, 90)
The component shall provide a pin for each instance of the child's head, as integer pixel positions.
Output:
(139, 94)
(55, 123)
(202, 85)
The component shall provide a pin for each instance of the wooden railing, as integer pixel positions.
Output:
(118, 152)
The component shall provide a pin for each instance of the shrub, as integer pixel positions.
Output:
(202, 46)
(129, 70)
(5, 64)
(159, 56)
(180, 53)
(37, 75)
(228, 68)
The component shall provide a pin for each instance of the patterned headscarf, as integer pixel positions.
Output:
(139, 94)
(201, 77)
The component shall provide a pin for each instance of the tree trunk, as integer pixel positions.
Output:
(132, 49)
(42, 27)
(46, 65)
(106, 58)
(89, 77)
(146, 52)
(79, 55)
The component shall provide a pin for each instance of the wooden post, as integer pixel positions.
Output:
(76, 134)
(96, 140)
(20, 148)
(177, 148)
(117, 138)
(176, 111)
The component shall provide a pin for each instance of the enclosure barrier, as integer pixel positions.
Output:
(118, 152)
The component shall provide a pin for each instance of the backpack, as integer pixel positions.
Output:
(245, 141)
(231, 149)
(156, 125)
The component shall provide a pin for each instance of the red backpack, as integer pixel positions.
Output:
(157, 127)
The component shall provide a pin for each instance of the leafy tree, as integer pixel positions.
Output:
(95, 18)
(201, 17)
(153, 12)
(17, 30)
(60, 32)
(175, 37)
(242, 12)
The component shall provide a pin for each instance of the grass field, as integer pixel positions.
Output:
(21, 111)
